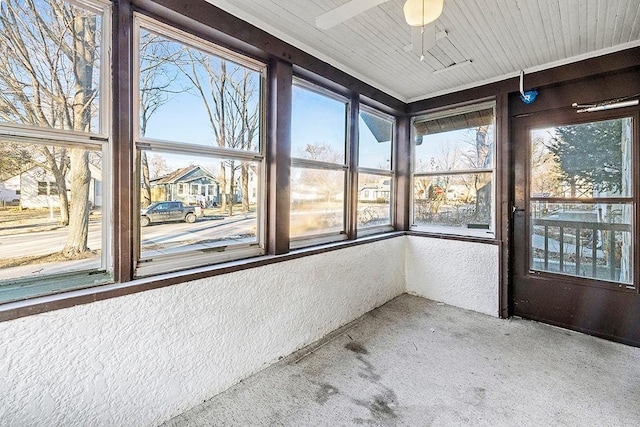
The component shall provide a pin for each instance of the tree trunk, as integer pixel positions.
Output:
(231, 188)
(245, 187)
(79, 212)
(223, 187)
(62, 196)
(57, 164)
(145, 192)
(84, 33)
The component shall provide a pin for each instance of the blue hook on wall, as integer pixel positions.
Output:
(529, 96)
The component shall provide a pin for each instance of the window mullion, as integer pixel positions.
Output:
(371, 171)
(279, 157)
(453, 172)
(124, 232)
(169, 147)
(315, 164)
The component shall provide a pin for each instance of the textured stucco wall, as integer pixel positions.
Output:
(462, 274)
(141, 359)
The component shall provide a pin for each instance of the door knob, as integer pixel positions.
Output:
(515, 209)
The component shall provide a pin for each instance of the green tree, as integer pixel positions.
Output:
(590, 156)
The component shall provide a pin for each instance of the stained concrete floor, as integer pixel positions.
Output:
(413, 362)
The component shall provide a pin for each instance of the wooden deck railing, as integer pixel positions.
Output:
(607, 231)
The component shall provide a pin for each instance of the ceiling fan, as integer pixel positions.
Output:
(419, 14)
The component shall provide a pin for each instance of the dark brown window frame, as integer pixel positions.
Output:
(211, 23)
(387, 173)
(199, 18)
(496, 170)
(145, 265)
(313, 239)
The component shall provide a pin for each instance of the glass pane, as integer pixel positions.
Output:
(187, 95)
(454, 201)
(591, 240)
(189, 205)
(375, 138)
(582, 161)
(374, 200)
(463, 147)
(50, 210)
(317, 201)
(50, 58)
(318, 127)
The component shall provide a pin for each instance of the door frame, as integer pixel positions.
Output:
(584, 305)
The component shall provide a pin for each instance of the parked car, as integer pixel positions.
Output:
(167, 211)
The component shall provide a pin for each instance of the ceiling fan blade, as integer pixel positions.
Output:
(416, 43)
(344, 12)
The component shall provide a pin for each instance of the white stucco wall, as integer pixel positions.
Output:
(140, 359)
(463, 274)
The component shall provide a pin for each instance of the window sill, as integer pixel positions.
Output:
(489, 239)
(304, 242)
(57, 301)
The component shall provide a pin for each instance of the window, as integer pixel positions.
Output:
(318, 165)
(47, 188)
(43, 188)
(54, 130)
(453, 178)
(581, 200)
(375, 148)
(199, 140)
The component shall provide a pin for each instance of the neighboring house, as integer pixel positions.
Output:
(375, 192)
(316, 193)
(252, 187)
(190, 185)
(36, 188)
(8, 191)
(432, 189)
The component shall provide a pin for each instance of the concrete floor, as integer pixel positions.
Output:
(413, 362)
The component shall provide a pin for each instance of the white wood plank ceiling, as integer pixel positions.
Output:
(500, 37)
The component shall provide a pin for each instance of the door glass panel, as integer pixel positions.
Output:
(590, 160)
(576, 228)
(591, 240)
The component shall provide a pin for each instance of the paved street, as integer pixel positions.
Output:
(156, 238)
(165, 235)
(24, 243)
(169, 237)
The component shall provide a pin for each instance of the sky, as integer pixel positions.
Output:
(441, 146)
(316, 119)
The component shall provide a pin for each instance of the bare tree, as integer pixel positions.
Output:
(230, 98)
(157, 78)
(323, 182)
(246, 112)
(546, 174)
(14, 159)
(158, 166)
(49, 53)
(480, 157)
